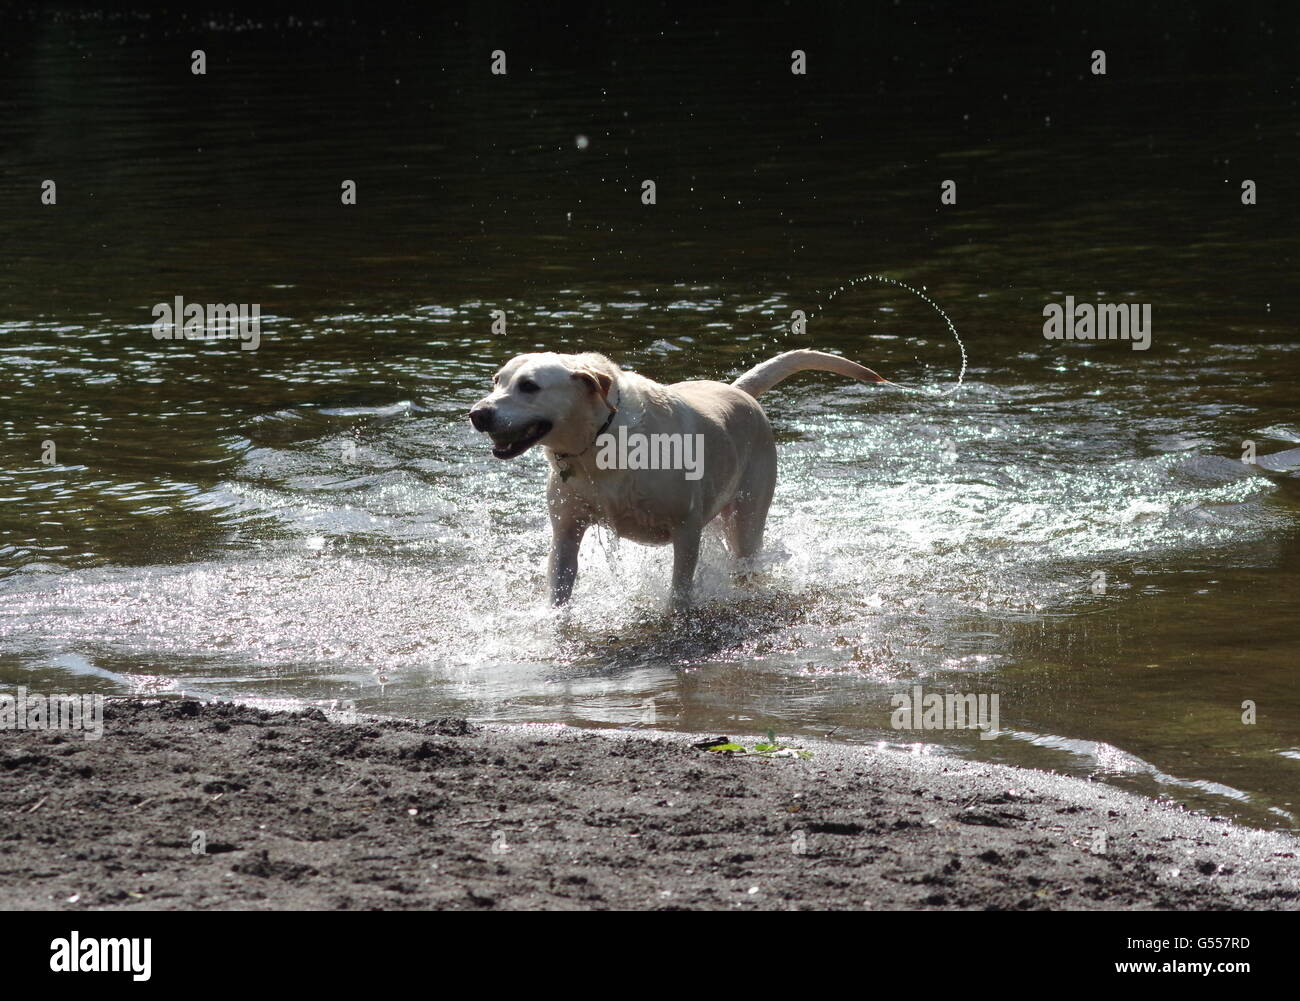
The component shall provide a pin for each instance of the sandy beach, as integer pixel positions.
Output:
(188, 805)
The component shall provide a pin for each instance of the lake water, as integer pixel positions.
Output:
(316, 521)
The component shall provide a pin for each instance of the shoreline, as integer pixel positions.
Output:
(294, 811)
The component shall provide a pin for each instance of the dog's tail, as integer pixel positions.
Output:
(761, 378)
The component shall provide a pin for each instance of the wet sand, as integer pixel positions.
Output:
(300, 812)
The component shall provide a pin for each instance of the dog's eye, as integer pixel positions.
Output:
(528, 386)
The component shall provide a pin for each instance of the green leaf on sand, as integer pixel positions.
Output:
(770, 750)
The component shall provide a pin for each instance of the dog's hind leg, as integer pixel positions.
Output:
(745, 517)
(686, 556)
(743, 527)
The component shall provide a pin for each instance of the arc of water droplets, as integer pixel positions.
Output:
(933, 305)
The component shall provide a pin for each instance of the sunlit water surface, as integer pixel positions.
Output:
(1074, 531)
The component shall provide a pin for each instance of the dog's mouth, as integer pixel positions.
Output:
(508, 448)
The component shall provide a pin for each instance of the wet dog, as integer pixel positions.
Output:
(577, 406)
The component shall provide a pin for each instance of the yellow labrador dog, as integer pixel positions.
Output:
(653, 463)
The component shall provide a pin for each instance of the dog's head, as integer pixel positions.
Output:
(560, 400)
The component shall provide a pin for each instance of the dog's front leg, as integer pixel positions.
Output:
(686, 554)
(569, 521)
(562, 571)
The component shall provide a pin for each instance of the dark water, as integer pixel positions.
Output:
(207, 528)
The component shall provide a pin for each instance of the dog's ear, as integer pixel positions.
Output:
(599, 382)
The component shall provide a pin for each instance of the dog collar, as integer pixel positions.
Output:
(567, 471)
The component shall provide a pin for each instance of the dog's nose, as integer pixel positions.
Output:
(481, 417)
